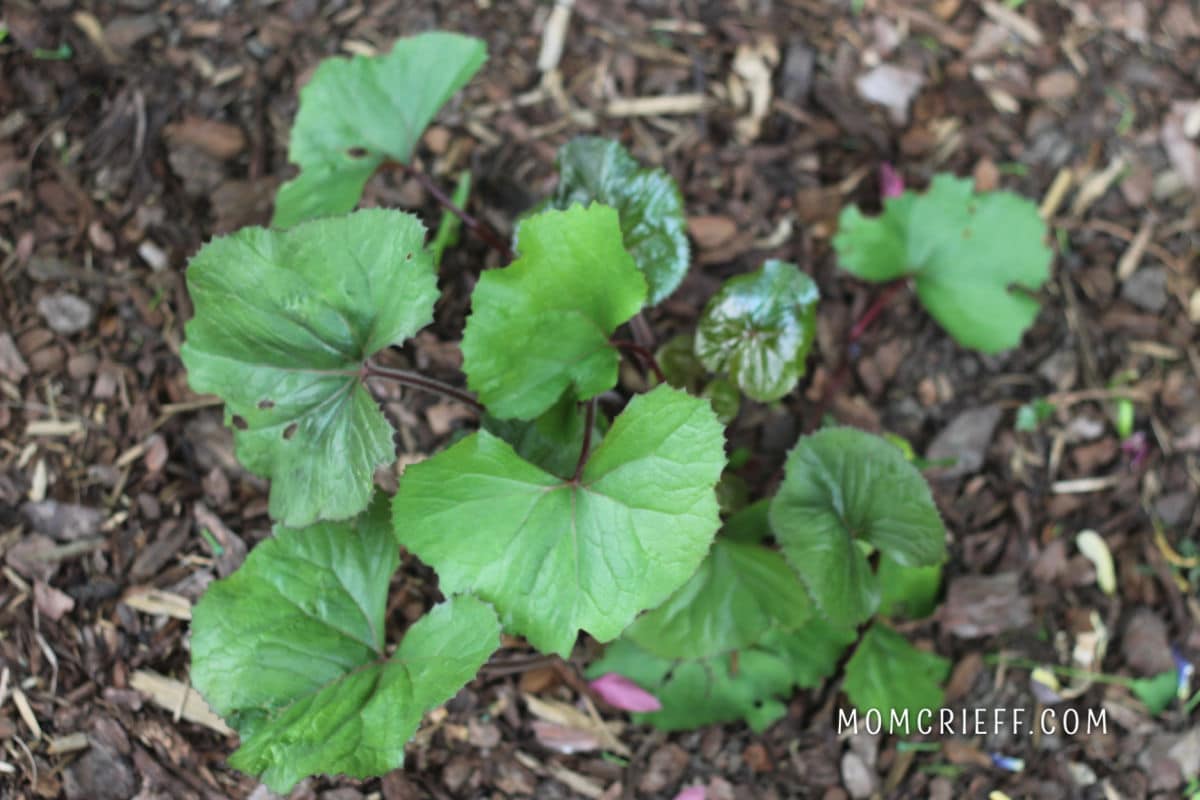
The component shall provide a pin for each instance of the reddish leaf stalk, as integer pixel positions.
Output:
(419, 381)
(647, 358)
(473, 224)
(589, 422)
(874, 310)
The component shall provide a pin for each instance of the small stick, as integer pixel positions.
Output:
(419, 381)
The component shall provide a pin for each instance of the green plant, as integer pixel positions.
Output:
(975, 259)
(551, 519)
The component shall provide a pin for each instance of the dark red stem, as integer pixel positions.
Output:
(874, 310)
(419, 381)
(642, 353)
(476, 226)
(589, 422)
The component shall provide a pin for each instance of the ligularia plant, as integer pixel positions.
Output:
(551, 519)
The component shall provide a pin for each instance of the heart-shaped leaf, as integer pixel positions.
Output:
(551, 441)
(355, 113)
(845, 490)
(975, 258)
(542, 324)
(740, 592)
(284, 322)
(556, 556)
(752, 685)
(759, 328)
(290, 651)
(888, 674)
(650, 206)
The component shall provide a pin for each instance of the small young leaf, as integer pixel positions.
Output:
(450, 225)
(759, 328)
(718, 689)
(740, 592)
(556, 556)
(964, 251)
(356, 113)
(681, 368)
(843, 487)
(1157, 691)
(648, 201)
(542, 324)
(889, 674)
(290, 651)
(725, 398)
(284, 322)
(909, 592)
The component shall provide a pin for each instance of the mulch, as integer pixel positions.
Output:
(132, 131)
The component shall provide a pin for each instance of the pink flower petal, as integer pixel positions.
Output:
(691, 793)
(620, 692)
(891, 183)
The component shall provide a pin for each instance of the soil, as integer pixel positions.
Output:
(132, 131)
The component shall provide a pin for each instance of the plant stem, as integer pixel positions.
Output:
(473, 224)
(419, 381)
(642, 353)
(875, 309)
(839, 378)
(589, 422)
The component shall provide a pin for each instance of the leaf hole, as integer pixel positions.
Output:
(239, 422)
(266, 404)
(290, 431)
(357, 152)
(967, 233)
(408, 257)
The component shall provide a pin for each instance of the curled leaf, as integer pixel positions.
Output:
(1092, 546)
(620, 692)
(759, 329)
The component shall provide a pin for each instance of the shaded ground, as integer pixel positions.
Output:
(130, 132)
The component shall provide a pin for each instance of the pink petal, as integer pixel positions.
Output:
(620, 692)
(891, 183)
(691, 793)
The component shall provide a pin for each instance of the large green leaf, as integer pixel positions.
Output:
(556, 556)
(284, 322)
(542, 324)
(889, 674)
(759, 328)
(752, 684)
(974, 257)
(290, 651)
(845, 490)
(740, 592)
(356, 113)
(653, 223)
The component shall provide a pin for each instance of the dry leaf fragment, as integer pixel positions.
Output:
(1094, 548)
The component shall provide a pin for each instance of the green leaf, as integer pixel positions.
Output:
(653, 223)
(677, 359)
(751, 524)
(450, 224)
(357, 113)
(965, 252)
(556, 556)
(753, 685)
(740, 592)
(1157, 691)
(842, 489)
(759, 328)
(290, 651)
(889, 674)
(551, 441)
(725, 398)
(542, 324)
(909, 592)
(284, 322)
